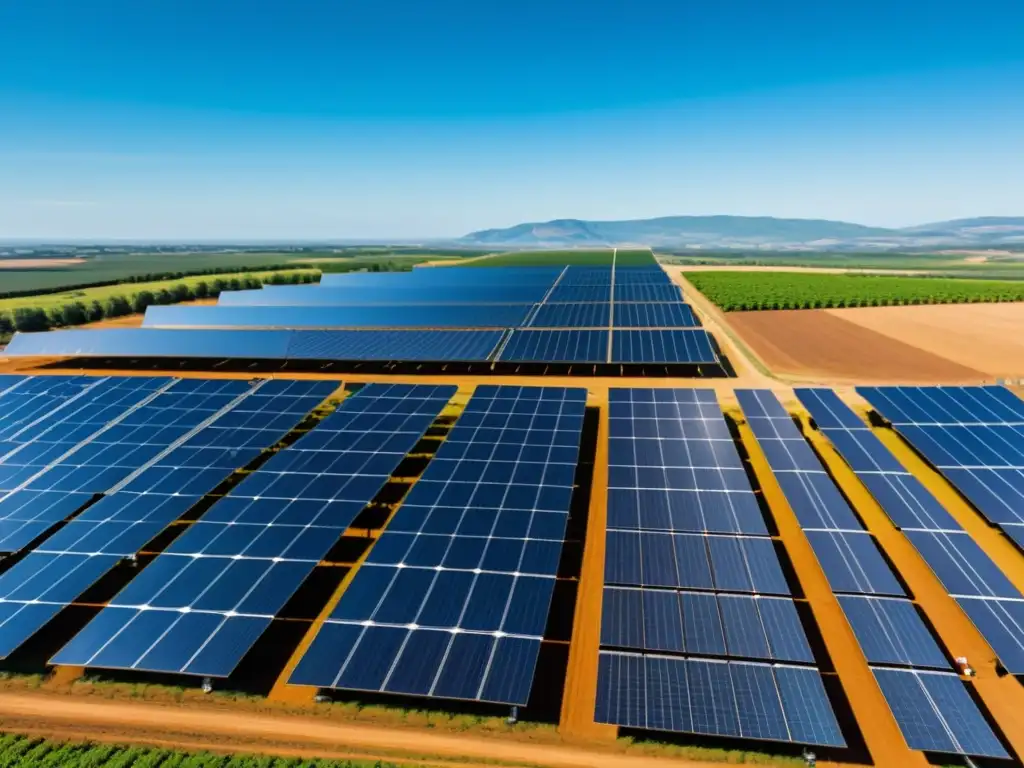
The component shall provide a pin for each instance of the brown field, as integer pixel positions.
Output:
(985, 337)
(38, 263)
(817, 345)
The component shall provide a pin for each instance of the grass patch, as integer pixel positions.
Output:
(739, 291)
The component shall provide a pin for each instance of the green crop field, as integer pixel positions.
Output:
(27, 751)
(573, 257)
(738, 291)
(113, 268)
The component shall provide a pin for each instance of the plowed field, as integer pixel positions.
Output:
(817, 345)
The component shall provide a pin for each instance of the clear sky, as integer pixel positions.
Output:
(421, 118)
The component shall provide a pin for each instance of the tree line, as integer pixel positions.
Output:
(31, 319)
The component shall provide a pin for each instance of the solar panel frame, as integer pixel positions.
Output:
(545, 346)
(662, 346)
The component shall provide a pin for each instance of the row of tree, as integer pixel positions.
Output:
(79, 313)
(151, 277)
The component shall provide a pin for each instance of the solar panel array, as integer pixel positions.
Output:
(574, 314)
(202, 604)
(887, 625)
(698, 631)
(154, 461)
(994, 604)
(453, 598)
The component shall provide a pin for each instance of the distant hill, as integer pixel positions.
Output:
(753, 231)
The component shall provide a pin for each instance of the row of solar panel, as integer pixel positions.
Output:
(673, 466)
(371, 296)
(716, 698)
(948, 416)
(203, 603)
(531, 275)
(890, 631)
(524, 346)
(438, 316)
(701, 624)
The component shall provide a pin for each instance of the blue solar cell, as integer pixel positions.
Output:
(653, 315)
(907, 502)
(758, 703)
(852, 563)
(805, 703)
(744, 633)
(936, 714)
(589, 315)
(622, 617)
(892, 632)
(648, 292)
(675, 346)
(786, 637)
(1001, 623)
(702, 624)
(662, 622)
(441, 346)
(575, 294)
(555, 347)
(961, 565)
(816, 501)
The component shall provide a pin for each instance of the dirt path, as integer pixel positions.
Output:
(246, 731)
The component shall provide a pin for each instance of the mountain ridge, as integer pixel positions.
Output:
(754, 231)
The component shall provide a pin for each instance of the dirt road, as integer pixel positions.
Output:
(200, 727)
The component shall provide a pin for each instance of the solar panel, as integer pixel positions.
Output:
(1001, 623)
(935, 713)
(852, 563)
(367, 295)
(441, 346)
(325, 317)
(258, 344)
(199, 606)
(669, 471)
(675, 346)
(715, 698)
(973, 435)
(431, 276)
(592, 315)
(184, 424)
(961, 565)
(891, 631)
(694, 561)
(555, 347)
(570, 293)
(453, 598)
(630, 292)
(651, 315)
(652, 275)
(55, 464)
(739, 626)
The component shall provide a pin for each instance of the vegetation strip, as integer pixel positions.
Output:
(740, 291)
(62, 310)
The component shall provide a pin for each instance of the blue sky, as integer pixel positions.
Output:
(421, 118)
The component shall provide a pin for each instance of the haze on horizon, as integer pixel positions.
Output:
(400, 119)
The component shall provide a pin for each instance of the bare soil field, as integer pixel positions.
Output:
(38, 263)
(817, 345)
(985, 337)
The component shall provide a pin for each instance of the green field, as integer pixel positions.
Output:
(113, 268)
(28, 751)
(573, 257)
(738, 291)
